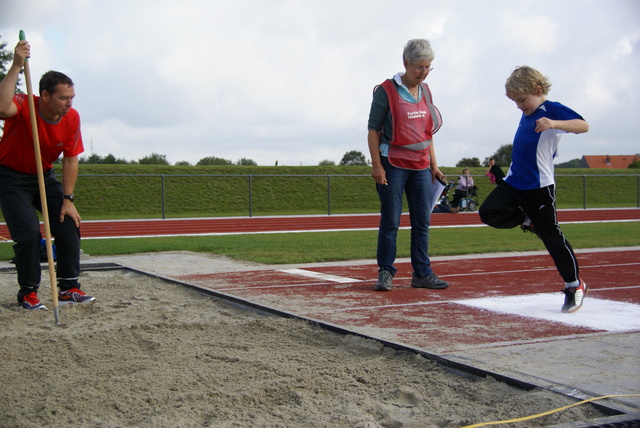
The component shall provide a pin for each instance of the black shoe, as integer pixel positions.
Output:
(75, 295)
(429, 281)
(573, 297)
(384, 281)
(531, 229)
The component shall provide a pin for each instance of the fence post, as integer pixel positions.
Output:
(250, 195)
(328, 195)
(163, 196)
(584, 192)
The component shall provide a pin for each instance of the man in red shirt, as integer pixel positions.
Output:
(59, 133)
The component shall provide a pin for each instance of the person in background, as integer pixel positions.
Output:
(495, 173)
(446, 209)
(59, 133)
(527, 196)
(402, 121)
(463, 188)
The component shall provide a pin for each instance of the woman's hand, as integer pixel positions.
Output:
(436, 173)
(379, 174)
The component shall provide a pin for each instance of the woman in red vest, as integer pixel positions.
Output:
(402, 121)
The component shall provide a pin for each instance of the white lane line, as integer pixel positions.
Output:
(268, 232)
(597, 314)
(538, 269)
(319, 275)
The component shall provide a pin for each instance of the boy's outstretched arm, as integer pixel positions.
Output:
(575, 126)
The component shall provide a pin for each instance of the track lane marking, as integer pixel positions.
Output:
(319, 275)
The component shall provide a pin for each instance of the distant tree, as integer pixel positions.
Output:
(93, 159)
(107, 160)
(182, 163)
(246, 162)
(573, 163)
(327, 162)
(154, 159)
(635, 164)
(212, 160)
(502, 156)
(353, 157)
(468, 162)
(6, 58)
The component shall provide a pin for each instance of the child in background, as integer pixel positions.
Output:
(527, 197)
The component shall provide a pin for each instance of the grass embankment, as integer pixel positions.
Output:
(189, 193)
(193, 192)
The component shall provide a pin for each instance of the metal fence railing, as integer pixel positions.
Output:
(173, 195)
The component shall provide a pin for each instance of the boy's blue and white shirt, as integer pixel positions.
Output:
(533, 152)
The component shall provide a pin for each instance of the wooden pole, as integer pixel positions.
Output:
(43, 190)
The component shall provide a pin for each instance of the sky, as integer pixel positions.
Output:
(290, 81)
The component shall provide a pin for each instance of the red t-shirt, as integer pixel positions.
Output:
(16, 147)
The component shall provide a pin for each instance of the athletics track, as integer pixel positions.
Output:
(272, 224)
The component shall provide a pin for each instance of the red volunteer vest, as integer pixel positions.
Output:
(413, 127)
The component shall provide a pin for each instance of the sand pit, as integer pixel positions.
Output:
(149, 353)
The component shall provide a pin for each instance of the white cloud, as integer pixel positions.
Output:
(291, 80)
(625, 46)
(533, 33)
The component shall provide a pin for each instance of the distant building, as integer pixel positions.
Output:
(606, 161)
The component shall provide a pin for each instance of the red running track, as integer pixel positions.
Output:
(234, 225)
(445, 321)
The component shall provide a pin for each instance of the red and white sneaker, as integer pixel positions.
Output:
(573, 297)
(31, 302)
(74, 295)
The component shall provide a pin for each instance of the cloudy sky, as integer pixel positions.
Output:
(291, 80)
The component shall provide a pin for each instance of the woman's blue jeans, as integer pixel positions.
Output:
(417, 186)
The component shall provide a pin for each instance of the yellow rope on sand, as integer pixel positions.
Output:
(527, 418)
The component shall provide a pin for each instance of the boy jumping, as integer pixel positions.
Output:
(527, 197)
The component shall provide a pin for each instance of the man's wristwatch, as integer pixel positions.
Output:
(70, 197)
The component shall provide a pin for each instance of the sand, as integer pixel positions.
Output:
(149, 353)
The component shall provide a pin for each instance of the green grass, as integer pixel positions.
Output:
(310, 247)
(216, 191)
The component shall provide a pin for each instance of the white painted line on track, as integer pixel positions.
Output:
(596, 314)
(319, 275)
(268, 232)
(537, 269)
(398, 305)
(259, 232)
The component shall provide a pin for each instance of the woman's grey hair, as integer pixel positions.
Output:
(417, 50)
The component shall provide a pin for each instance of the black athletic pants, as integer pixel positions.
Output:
(505, 208)
(19, 199)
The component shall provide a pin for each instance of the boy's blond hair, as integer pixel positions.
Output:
(524, 80)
